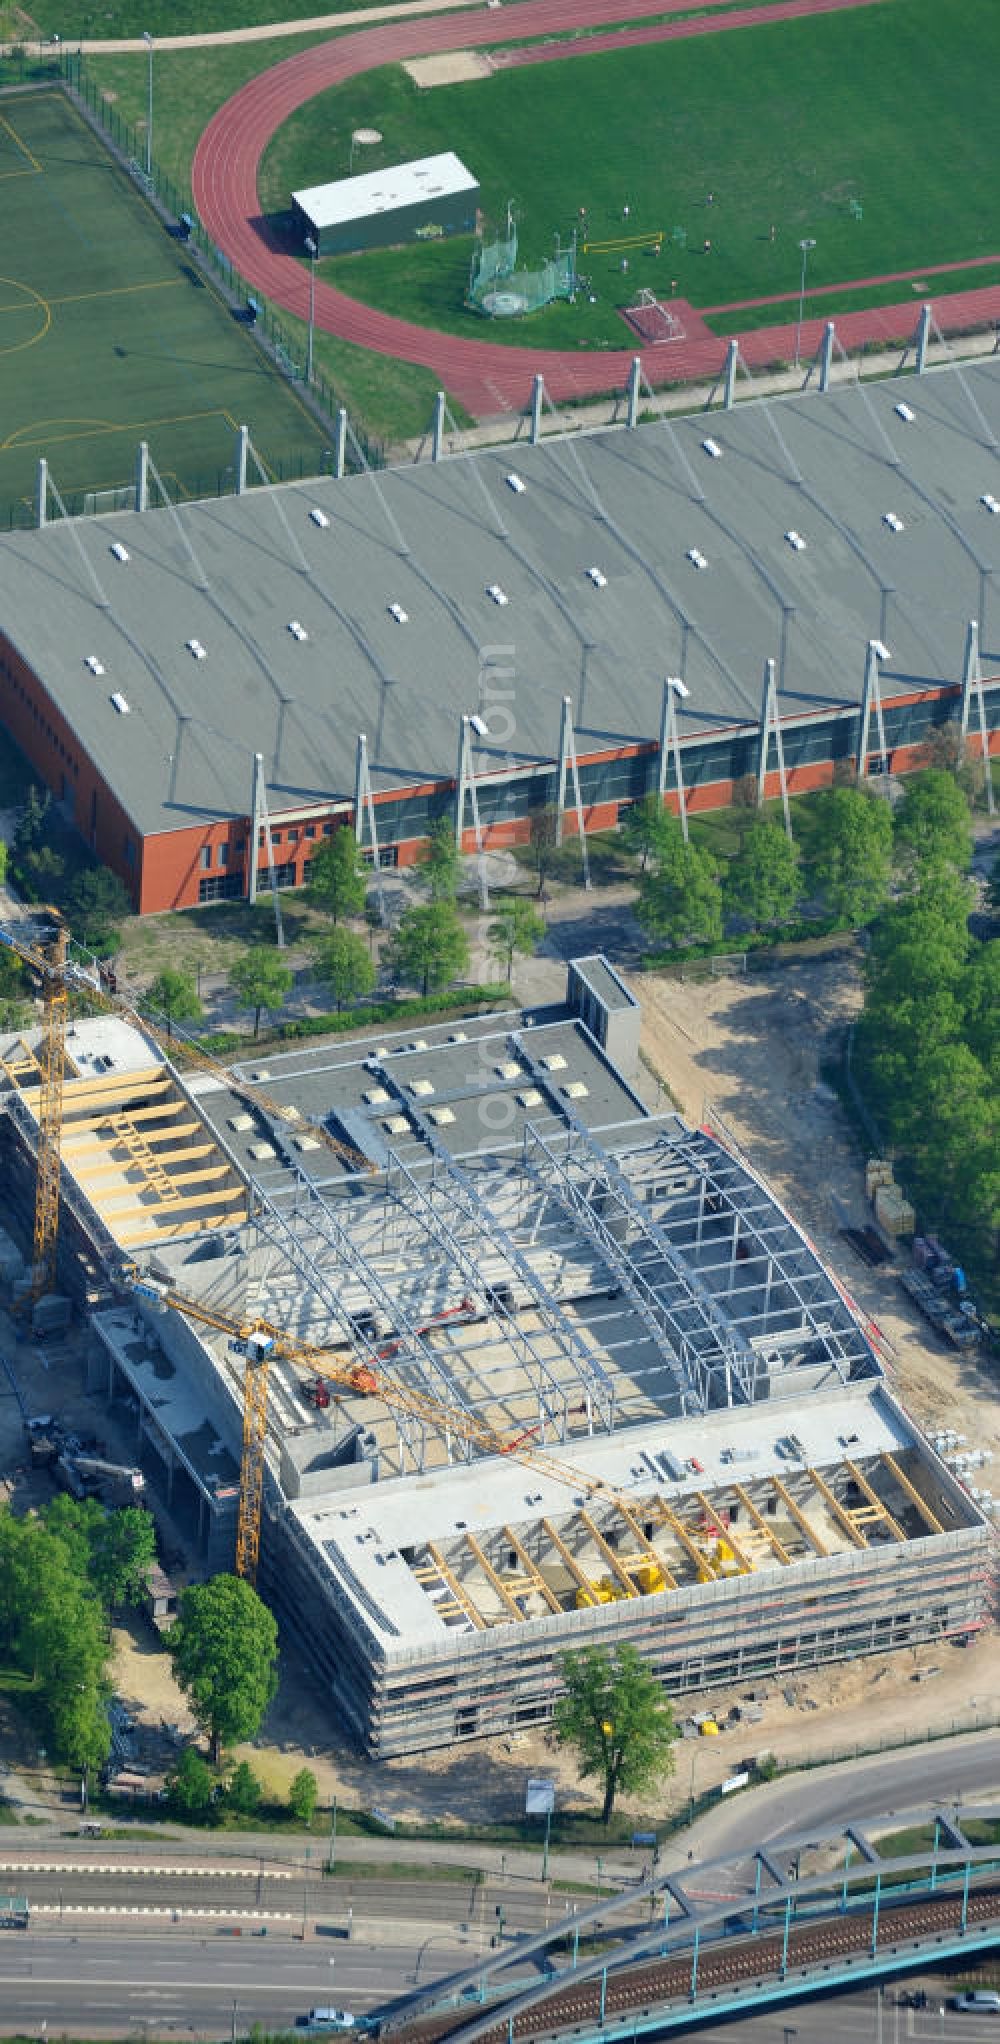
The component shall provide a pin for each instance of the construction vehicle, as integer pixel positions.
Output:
(48, 957)
(117, 1483)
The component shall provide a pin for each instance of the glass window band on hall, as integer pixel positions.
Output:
(705, 763)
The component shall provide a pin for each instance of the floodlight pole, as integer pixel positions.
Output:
(805, 246)
(148, 40)
(312, 250)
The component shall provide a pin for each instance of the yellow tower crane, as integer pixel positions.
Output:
(260, 1343)
(50, 960)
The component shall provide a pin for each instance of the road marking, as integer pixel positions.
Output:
(24, 1866)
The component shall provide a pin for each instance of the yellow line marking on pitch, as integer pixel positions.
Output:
(119, 291)
(41, 303)
(18, 144)
(95, 429)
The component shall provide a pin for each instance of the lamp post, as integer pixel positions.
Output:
(805, 246)
(148, 40)
(312, 251)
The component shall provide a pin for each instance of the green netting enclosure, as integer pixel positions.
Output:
(499, 290)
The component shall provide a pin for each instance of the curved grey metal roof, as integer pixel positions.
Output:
(233, 575)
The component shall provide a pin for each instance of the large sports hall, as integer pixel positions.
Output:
(778, 590)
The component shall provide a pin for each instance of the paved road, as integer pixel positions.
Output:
(102, 1983)
(946, 1770)
(59, 1888)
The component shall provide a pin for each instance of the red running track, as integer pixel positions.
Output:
(487, 378)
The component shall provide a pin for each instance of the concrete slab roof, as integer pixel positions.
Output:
(193, 630)
(366, 1542)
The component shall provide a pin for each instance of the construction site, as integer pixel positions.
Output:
(470, 1360)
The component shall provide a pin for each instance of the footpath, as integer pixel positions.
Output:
(963, 1772)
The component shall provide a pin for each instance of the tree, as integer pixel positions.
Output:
(302, 1797)
(993, 886)
(441, 860)
(224, 1648)
(980, 992)
(97, 904)
(615, 1715)
(851, 853)
(113, 1550)
(543, 844)
(932, 825)
(261, 979)
(763, 880)
(244, 1790)
(682, 903)
(336, 881)
(516, 927)
(645, 828)
(31, 823)
(430, 947)
(345, 965)
(36, 865)
(53, 1630)
(175, 995)
(123, 1555)
(190, 1787)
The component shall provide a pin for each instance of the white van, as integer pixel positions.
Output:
(330, 2019)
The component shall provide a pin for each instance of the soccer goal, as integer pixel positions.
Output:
(654, 322)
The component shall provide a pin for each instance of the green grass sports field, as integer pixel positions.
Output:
(785, 125)
(108, 335)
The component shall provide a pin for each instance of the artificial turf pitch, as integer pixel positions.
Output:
(892, 106)
(109, 335)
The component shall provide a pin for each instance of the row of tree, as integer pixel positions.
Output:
(928, 1044)
(61, 1573)
(687, 896)
(428, 949)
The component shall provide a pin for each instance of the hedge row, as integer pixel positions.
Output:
(461, 1000)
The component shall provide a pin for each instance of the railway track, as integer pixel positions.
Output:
(755, 1958)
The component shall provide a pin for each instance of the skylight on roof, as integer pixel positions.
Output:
(990, 504)
(119, 703)
(597, 577)
(795, 540)
(297, 631)
(95, 665)
(401, 616)
(319, 517)
(696, 557)
(496, 594)
(516, 483)
(712, 449)
(905, 412)
(479, 726)
(121, 553)
(894, 523)
(196, 648)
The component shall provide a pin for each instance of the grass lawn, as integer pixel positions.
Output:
(389, 400)
(833, 303)
(780, 123)
(109, 335)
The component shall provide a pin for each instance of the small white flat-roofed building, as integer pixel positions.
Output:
(409, 202)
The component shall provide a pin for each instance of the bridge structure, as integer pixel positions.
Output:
(781, 1921)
